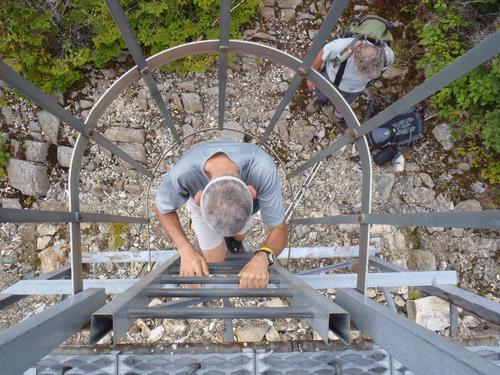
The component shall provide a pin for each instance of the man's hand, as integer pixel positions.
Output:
(193, 264)
(310, 85)
(256, 273)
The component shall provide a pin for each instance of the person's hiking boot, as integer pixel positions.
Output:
(234, 246)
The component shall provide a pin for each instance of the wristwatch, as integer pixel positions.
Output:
(269, 254)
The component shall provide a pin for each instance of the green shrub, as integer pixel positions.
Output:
(471, 103)
(4, 154)
(50, 42)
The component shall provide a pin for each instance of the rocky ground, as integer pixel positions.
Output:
(433, 178)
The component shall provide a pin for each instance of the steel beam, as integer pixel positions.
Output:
(218, 293)
(60, 273)
(461, 219)
(114, 316)
(16, 215)
(163, 255)
(174, 279)
(228, 323)
(113, 286)
(121, 21)
(224, 313)
(327, 315)
(29, 341)
(421, 350)
(333, 267)
(469, 301)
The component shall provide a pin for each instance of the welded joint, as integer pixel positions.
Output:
(302, 72)
(145, 71)
(361, 219)
(353, 133)
(89, 133)
(223, 48)
(78, 217)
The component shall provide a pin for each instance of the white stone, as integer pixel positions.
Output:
(192, 102)
(43, 242)
(251, 332)
(431, 312)
(156, 334)
(442, 133)
(272, 334)
(468, 205)
(275, 302)
(85, 104)
(64, 154)
(53, 257)
(383, 186)
(46, 229)
(142, 99)
(287, 15)
(229, 135)
(11, 203)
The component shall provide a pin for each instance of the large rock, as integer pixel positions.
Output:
(251, 332)
(37, 151)
(290, 4)
(430, 312)
(287, 15)
(53, 257)
(383, 186)
(421, 260)
(192, 102)
(118, 134)
(267, 13)
(302, 133)
(156, 334)
(442, 133)
(64, 156)
(9, 115)
(142, 99)
(50, 126)
(29, 178)
(468, 205)
(423, 197)
(135, 150)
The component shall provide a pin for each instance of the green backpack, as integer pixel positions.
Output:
(372, 28)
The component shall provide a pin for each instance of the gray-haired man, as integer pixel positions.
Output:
(224, 184)
(364, 64)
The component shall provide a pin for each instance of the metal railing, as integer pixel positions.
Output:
(383, 326)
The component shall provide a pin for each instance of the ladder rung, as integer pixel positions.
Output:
(218, 292)
(222, 313)
(174, 279)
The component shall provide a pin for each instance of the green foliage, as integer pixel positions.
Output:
(50, 42)
(115, 232)
(471, 103)
(4, 154)
(414, 294)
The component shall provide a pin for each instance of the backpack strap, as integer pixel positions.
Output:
(340, 74)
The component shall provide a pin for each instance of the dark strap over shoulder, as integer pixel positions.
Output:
(340, 74)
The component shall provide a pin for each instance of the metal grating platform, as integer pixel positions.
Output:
(375, 361)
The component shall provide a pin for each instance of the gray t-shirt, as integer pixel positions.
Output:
(257, 169)
(352, 80)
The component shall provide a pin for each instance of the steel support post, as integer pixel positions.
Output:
(228, 323)
(453, 320)
(121, 21)
(327, 315)
(421, 350)
(469, 301)
(324, 31)
(60, 273)
(114, 316)
(29, 341)
(225, 18)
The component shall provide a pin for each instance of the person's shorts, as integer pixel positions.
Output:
(207, 237)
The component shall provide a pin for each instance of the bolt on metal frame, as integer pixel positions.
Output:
(361, 309)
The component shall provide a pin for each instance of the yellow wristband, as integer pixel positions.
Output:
(263, 248)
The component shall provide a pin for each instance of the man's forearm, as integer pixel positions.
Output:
(277, 238)
(173, 227)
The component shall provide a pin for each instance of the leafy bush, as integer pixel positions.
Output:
(4, 154)
(471, 103)
(49, 42)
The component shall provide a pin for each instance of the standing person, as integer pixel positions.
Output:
(350, 64)
(224, 184)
